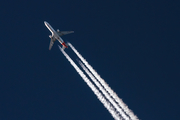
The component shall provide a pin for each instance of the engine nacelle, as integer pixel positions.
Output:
(50, 36)
(57, 30)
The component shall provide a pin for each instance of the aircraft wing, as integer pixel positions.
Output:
(61, 33)
(51, 43)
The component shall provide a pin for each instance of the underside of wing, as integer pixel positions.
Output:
(51, 43)
(61, 33)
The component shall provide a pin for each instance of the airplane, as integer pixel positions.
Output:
(56, 35)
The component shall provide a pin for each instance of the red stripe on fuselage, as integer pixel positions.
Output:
(64, 44)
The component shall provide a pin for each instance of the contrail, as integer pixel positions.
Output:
(103, 91)
(106, 104)
(106, 86)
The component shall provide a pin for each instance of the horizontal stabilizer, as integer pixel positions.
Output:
(63, 47)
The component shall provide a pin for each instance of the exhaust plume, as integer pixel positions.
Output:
(106, 104)
(104, 92)
(106, 86)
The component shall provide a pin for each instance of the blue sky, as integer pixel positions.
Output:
(133, 45)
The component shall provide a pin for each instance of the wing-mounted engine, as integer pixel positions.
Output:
(52, 38)
(58, 30)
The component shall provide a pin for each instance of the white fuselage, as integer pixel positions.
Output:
(54, 33)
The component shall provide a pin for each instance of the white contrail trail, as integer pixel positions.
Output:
(106, 86)
(106, 104)
(104, 92)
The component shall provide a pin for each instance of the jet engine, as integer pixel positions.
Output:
(50, 36)
(57, 30)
